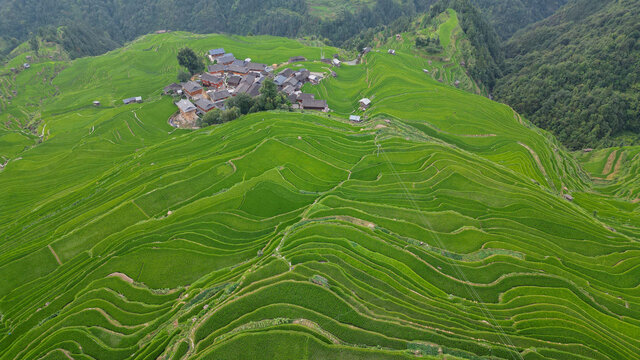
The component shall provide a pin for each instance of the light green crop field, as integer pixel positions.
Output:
(436, 228)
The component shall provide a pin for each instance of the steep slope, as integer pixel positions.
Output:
(436, 227)
(509, 16)
(577, 73)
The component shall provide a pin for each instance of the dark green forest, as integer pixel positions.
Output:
(577, 73)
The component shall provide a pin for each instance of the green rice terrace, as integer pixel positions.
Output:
(442, 226)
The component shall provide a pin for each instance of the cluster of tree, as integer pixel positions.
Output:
(487, 50)
(509, 16)
(428, 43)
(576, 73)
(270, 99)
(190, 60)
(77, 40)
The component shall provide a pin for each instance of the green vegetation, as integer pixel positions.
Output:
(437, 227)
(192, 62)
(576, 73)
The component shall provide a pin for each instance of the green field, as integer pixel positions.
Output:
(436, 228)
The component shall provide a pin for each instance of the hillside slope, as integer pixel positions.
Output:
(437, 227)
(577, 73)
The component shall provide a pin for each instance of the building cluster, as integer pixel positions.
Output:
(228, 77)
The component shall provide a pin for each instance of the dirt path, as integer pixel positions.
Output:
(609, 164)
(121, 276)
(55, 255)
(537, 159)
(126, 122)
(139, 208)
(617, 167)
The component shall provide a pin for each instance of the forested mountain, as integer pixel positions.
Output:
(577, 72)
(119, 21)
(508, 16)
(115, 22)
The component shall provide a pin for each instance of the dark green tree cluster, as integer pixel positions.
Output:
(270, 99)
(190, 60)
(577, 73)
(430, 44)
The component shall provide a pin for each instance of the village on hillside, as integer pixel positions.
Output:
(226, 77)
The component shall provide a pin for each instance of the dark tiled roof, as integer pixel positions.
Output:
(286, 72)
(256, 66)
(297, 58)
(216, 68)
(173, 87)
(254, 90)
(219, 95)
(234, 80)
(306, 96)
(192, 86)
(218, 51)
(238, 69)
(205, 104)
(314, 104)
(211, 78)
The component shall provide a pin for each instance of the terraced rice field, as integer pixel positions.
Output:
(436, 228)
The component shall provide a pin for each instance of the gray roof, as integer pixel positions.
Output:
(354, 118)
(219, 95)
(304, 96)
(185, 105)
(238, 69)
(303, 75)
(238, 62)
(297, 58)
(279, 80)
(254, 90)
(218, 51)
(226, 58)
(205, 104)
(234, 80)
(173, 87)
(216, 68)
(288, 89)
(314, 104)
(210, 78)
(249, 79)
(286, 72)
(191, 86)
(365, 101)
(243, 87)
(292, 81)
(256, 66)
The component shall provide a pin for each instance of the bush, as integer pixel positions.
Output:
(183, 76)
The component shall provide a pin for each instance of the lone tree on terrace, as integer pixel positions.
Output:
(191, 61)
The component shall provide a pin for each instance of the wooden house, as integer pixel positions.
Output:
(205, 105)
(364, 103)
(192, 88)
(210, 80)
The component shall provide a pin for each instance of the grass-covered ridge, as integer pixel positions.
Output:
(435, 228)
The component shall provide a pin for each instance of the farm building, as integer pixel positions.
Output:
(237, 69)
(280, 80)
(311, 104)
(172, 89)
(297, 59)
(355, 118)
(226, 59)
(216, 69)
(96, 103)
(219, 95)
(364, 103)
(26, 65)
(131, 100)
(288, 89)
(286, 73)
(209, 80)
(192, 88)
(302, 75)
(256, 67)
(205, 105)
(335, 62)
(366, 50)
(186, 107)
(391, 51)
(304, 96)
(314, 79)
(215, 53)
(325, 61)
(234, 80)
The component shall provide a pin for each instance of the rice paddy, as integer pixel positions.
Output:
(436, 228)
